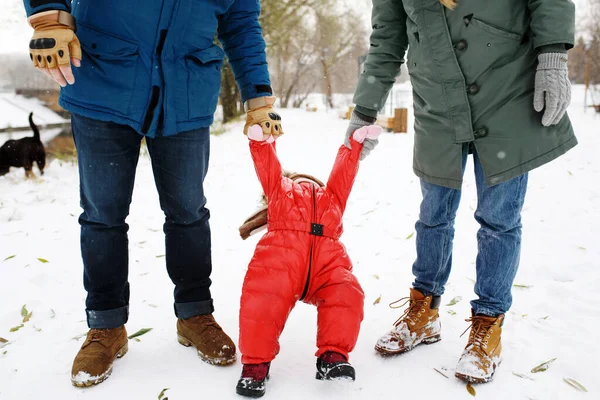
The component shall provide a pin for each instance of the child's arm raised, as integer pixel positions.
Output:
(346, 163)
(266, 163)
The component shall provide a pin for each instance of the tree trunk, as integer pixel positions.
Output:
(229, 95)
(327, 77)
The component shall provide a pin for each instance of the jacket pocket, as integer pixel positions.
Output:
(106, 78)
(484, 26)
(488, 47)
(204, 81)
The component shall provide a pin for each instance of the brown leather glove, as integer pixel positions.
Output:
(54, 45)
(265, 116)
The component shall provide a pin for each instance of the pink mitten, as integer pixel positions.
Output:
(255, 133)
(367, 132)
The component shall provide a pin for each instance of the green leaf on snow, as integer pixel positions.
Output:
(570, 173)
(5, 351)
(43, 260)
(9, 257)
(160, 256)
(16, 328)
(377, 300)
(27, 317)
(2, 340)
(471, 390)
(410, 236)
(542, 367)
(152, 305)
(451, 312)
(522, 376)
(582, 248)
(37, 329)
(575, 384)
(24, 311)
(141, 332)
(162, 393)
(522, 286)
(454, 301)
(375, 276)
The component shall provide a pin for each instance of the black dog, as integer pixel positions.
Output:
(23, 153)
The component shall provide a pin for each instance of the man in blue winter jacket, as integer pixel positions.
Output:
(148, 68)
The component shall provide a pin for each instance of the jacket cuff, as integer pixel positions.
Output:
(553, 48)
(36, 6)
(366, 114)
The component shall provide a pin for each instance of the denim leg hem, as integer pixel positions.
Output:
(189, 310)
(478, 309)
(108, 319)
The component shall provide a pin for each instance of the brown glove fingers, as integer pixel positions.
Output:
(75, 48)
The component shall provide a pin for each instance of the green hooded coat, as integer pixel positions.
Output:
(472, 70)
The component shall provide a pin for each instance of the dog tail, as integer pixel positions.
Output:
(34, 128)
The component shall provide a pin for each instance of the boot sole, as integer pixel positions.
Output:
(386, 352)
(101, 378)
(249, 393)
(207, 359)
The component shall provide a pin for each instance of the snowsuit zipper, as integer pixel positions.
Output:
(312, 243)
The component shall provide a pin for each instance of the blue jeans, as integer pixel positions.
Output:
(108, 156)
(499, 239)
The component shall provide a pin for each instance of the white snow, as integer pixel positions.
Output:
(555, 317)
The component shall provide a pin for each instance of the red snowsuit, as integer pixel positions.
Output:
(301, 258)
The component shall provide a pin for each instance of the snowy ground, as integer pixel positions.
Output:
(554, 317)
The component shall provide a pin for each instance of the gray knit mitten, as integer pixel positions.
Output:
(357, 121)
(552, 87)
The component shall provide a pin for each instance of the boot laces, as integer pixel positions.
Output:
(97, 335)
(412, 313)
(480, 332)
(258, 372)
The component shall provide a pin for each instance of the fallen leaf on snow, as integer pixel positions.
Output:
(24, 311)
(542, 367)
(454, 301)
(471, 390)
(575, 384)
(2, 340)
(523, 376)
(43, 260)
(162, 394)
(377, 300)
(441, 373)
(376, 276)
(16, 328)
(409, 236)
(9, 257)
(451, 312)
(141, 332)
(522, 286)
(27, 317)
(160, 256)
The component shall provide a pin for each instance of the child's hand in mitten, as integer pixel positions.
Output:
(255, 132)
(367, 132)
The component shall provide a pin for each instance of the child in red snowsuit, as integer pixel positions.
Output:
(301, 258)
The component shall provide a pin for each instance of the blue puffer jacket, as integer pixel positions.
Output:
(151, 60)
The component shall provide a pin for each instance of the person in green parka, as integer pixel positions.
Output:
(489, 79)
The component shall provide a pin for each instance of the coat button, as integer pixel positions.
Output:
(481, 132)
(461, 45)
(473, 89)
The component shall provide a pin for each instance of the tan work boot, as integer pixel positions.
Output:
(482, 354)
(93, 363)
(420, 323)
(206, 336)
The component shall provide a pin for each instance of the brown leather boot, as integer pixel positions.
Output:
(483, 352)
(206, 336)
(419, 324)
(93, 363)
